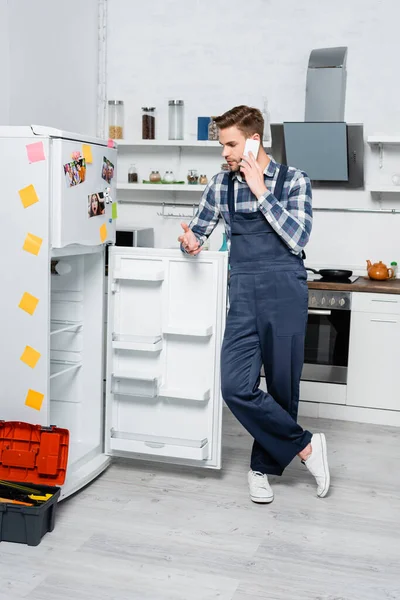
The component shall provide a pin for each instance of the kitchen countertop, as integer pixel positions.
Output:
(363, 284)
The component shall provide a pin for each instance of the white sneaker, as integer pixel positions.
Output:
(260, 490)
(317, 464)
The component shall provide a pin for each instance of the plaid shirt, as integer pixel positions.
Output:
(290, 217)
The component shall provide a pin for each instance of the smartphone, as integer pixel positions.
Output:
(251, 146)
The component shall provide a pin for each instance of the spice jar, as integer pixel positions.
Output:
(132, 174)
(192, 177)
(155, 177)
(175, 119)
(225, 167)
(203, 180)
(169, 177)
(213, 132)
(115, 119)
(149, 123)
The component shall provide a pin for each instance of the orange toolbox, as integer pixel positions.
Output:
(33, 464)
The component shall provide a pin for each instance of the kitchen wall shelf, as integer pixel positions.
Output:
(160, 187)
(385, 189)
(157, 276)
(137, 343)
(182, 395)
(198, 332)
(384, 139)
(166, 143)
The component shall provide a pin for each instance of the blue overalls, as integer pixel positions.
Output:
(265, 324)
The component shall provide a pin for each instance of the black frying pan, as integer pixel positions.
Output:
(338, 274)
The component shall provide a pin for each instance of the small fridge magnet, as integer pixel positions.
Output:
(75, 172)
(107, 170)
(96, 205)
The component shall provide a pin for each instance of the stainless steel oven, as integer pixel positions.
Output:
(327, 336)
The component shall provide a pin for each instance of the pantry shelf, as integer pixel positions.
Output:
(384, 139)
(137, 343)
(161, 187)
(166, 143)
(182, 395)
(198, 332)
(385, 189)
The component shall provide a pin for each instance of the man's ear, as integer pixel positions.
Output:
(256, 136)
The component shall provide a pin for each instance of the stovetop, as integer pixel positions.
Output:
(319, 279)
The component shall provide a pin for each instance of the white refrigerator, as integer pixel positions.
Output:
(158, 395)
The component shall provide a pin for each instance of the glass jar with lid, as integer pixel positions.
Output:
(213, 132)
(192, 177)
(175, 119)
(132, 174)
(115, 119)
(148, 123)
(155, 177)
(169, 177)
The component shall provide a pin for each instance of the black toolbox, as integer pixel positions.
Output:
(33, 464)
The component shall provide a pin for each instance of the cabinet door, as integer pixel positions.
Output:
(166, 318)
(73, 219)
(374, 359)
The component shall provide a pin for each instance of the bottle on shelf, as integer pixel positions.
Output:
(393, 264)
(267, 138)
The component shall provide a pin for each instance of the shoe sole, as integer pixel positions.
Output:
(260, 500)
(326, 467)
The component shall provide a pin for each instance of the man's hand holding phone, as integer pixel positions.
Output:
(251, 169)
(189, 241)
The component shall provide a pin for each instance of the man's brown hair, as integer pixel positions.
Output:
(248, 120)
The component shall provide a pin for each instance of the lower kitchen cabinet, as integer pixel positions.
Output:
(374, 355)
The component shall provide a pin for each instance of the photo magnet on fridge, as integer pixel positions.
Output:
(75, 172)
(107, 170)
(96, 205)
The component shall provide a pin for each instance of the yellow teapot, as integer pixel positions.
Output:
(379, 271)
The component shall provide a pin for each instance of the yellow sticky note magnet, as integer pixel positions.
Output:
(87, 153)
(103, 233)
(28, 196)
(30, 356)
(28, 303)
(114, 210)
(34, 399)
(32, 244)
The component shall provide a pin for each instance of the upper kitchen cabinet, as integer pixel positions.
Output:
(374, 355)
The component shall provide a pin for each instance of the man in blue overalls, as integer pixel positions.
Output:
(267, 212)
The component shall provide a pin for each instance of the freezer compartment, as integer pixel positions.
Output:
(81, 193)
(76, 351)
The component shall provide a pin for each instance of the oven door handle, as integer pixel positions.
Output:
(318, 311)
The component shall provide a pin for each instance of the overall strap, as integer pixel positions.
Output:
(280, 181)
(231, 194)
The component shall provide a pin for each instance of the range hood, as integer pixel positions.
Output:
(328, 149)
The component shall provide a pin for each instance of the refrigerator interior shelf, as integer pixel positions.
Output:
(159, 445)
(60, 367)
(183, 331)
(156, 276)
(60, 326)
(198, 396)
(137, 343)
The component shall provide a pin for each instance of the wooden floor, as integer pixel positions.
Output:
(143, 531)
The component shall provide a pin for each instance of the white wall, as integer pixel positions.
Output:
(4, 53)
(52, 63)
(215, 55)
